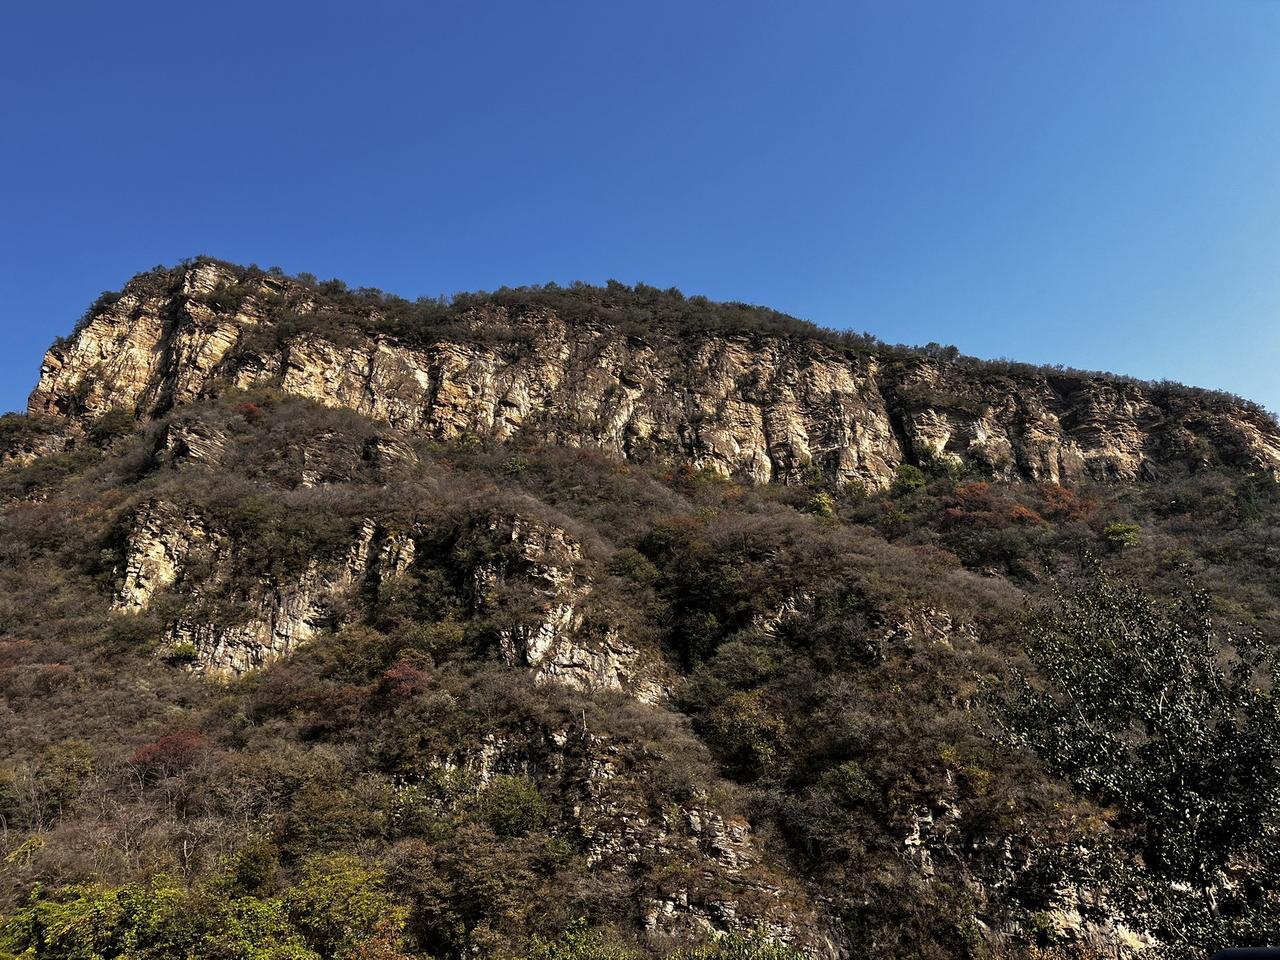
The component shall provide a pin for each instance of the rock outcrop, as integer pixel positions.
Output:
(22, 449)
(698, 864)
(284, 615)
(761, 406)
(1078, 917)
(278, 615)
(540, 568)
(158, 546)
(527, 576)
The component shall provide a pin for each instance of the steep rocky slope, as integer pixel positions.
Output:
(754, 404)
(495, 600)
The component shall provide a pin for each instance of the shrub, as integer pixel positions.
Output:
(1119, 535)
(171, 754)
(737, 946)
(228, 297)
(633, 565)
(581, 942)
(112, 425)
(823, 504)
(182, 654)
(404, 681)
(339, 911)
(105, 301)
(254, 869)
(747, 728)
(512, 806)
(342, 909)
(907, 478)
(1022, 514)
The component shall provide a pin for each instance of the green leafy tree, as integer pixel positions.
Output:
(341, 907)
(1156, 710)
(1119, 535)
(907, 478)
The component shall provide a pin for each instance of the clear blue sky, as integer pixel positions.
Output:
(1094, 182)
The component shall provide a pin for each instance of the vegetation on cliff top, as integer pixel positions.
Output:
(638, 310)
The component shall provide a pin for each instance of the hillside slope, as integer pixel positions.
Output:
(337, 626)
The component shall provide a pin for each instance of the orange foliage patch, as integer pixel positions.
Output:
(1020, 514)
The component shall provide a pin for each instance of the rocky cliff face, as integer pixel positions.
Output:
(163, 547)
(538, 562)
(756, 405)
(527, 576)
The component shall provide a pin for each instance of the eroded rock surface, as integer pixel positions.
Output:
(534, 559)
(763, 407)
(528, 575)
(700, 864)
(279, 615)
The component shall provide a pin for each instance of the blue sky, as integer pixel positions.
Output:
(1088, 183)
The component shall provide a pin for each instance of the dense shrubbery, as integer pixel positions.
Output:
(338, 909)
(832, 655)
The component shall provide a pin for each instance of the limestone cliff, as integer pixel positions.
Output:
(162, 547)
(525, 576)
(548, 635)
(757, 404)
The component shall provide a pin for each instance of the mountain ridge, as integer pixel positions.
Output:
(740, 390)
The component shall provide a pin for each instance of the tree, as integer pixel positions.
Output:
(1155, 709)
(1120, 535)
(340, 907)
(907, 478)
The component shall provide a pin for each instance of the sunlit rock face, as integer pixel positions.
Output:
(541, 567)
(528, 575)
(757, 406)
(166, 549)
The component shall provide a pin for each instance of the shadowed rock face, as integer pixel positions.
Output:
(756, 405)
(162, 544)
